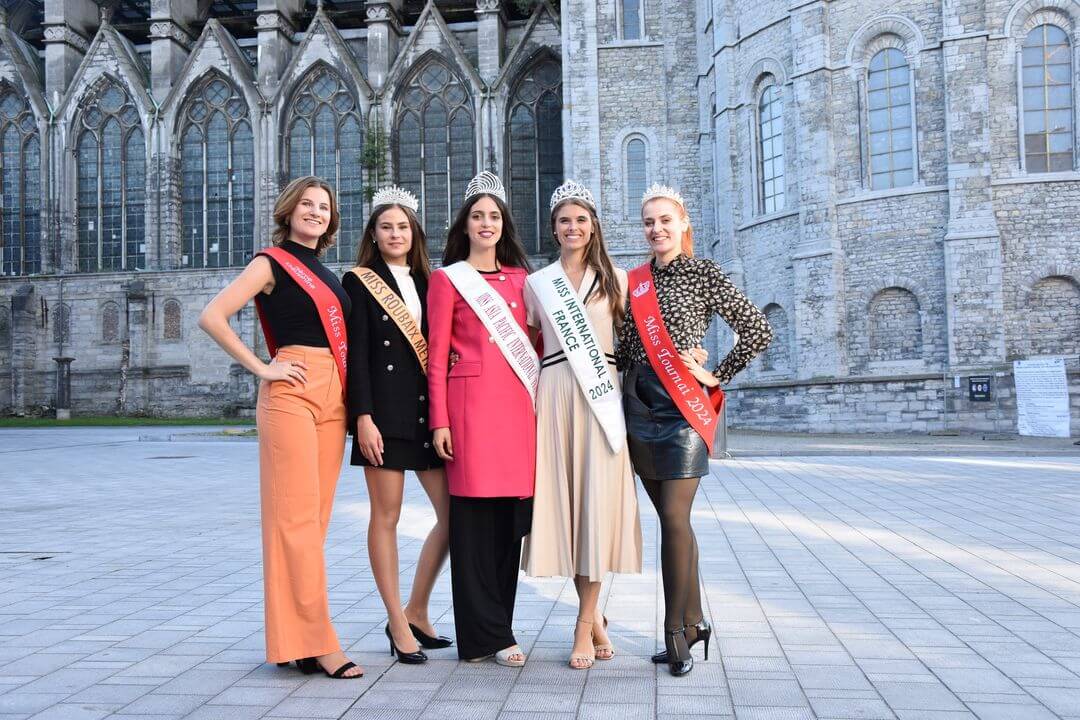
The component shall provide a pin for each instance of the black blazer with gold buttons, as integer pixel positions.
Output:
(384, 376)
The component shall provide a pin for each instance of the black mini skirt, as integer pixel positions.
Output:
(662, 444)
(400, 454)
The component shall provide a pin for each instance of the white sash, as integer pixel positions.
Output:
(582, 347)
(494, 313)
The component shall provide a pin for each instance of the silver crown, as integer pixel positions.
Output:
(485, 183)
(572, 190)
(656, 190)
(395, 195)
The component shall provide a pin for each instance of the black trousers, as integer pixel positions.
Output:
(485, 552)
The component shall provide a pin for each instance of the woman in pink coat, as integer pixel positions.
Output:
(482, 415)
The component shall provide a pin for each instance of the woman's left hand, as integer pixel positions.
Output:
(703, 376)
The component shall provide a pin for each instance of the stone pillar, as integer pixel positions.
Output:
(63, 387)
(974, 302)
(170, 41)
(490, 38)
(383, 39)
(69, 25)
(277, 25)
(817, 258)
(24, 315)
(133, 394)
(581, 102)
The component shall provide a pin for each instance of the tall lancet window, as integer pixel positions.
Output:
(218, 182)
(771, 149)
(435, 144)
(535, 151)
(1048, 100)
(111, 183)
(20, 186)
(326, 139)
(892, 157)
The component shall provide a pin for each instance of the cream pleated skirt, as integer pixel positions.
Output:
(585, 511)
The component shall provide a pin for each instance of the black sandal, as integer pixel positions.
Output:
(339, 674)
(306, 665)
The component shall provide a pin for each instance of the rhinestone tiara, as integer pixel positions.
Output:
(485, 183)
(656, 190)
(394, 195)
(572, 190)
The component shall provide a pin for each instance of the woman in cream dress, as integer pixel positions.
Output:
(585, 512)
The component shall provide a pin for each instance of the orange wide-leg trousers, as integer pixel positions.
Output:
(301, 444)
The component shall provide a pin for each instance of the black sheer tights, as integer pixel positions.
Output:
(673, 500)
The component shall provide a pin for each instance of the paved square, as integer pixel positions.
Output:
(838, 587)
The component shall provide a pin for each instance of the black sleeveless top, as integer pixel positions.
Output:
(290, 311)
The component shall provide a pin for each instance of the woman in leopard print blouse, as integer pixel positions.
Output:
(667, 453)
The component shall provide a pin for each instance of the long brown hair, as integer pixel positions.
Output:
(508, 251)
(369, 249)
(290, 198)
(597, 257)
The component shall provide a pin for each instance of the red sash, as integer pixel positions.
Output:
(700, 408)
(327, 303)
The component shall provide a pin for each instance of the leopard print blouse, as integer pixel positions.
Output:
(690, 291)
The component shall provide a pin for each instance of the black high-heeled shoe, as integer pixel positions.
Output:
(308, 665)
(428, 642)
(679, 668)
(408, 658)
(704, 634)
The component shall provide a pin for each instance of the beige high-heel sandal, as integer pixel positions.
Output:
(503, 657)
(603, 647)
(584, 660)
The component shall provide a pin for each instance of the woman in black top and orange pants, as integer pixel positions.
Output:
(300, 415)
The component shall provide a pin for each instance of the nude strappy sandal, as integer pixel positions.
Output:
(604, 647)
(503, 657)
(586, 660)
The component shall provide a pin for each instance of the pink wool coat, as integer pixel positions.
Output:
(487, 408)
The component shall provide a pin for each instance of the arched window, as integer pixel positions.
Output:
(326, 139)
(771, 150)
(889, 104)
(632, 20)
(218, 178)
(20, 194)
(111, 181)
(895, 326)
(636, 172)
(1054, 316)
(173, 314)
(435, 144)
(1048, 100)
(536, 162)
(62, 324)
(776, 357)
(110, 322)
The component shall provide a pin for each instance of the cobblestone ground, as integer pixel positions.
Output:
(838, 587)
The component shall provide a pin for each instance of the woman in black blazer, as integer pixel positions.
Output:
(388, 409)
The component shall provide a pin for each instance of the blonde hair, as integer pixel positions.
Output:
(687, 236)
(290, 198)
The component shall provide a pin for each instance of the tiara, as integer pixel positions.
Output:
(572, 190)
(656, 190)
(394, 195)
(485, 183)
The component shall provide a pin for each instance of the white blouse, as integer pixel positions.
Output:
(408, 291)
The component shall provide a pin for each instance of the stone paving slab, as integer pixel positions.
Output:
(839, 587)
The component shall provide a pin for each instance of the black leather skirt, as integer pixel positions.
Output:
(662, 444)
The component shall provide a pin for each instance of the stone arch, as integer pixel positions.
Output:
(1025, 15)
(777, 357)
(172, 325)
(766, 69)
(881, 32)
(894, 320)
(1052, 313)
(110, 322)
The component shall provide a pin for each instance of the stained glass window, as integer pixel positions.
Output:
(111, 182)
(325, 138)
(217, 176)
(20, 186)
(535, 151)
(435, 144)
